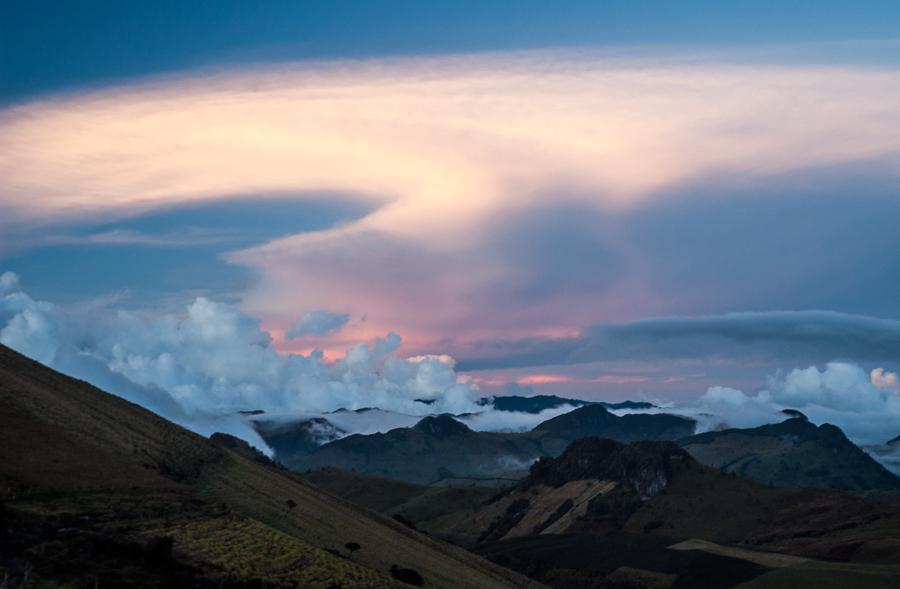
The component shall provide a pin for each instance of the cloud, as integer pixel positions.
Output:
(482, 141)
(202, 366)
(536, 114)
(807, 335)
(9, 283)
(885, 380)
(318, 323)
(511, 421)
(841, 393)
(119, 237)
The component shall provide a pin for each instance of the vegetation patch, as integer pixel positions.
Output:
(240, 548)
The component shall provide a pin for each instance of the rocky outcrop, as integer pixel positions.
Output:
(643, 467)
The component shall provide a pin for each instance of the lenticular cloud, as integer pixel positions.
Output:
(212, 361)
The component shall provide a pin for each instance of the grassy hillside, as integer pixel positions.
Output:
(99, 489)
(433, 509)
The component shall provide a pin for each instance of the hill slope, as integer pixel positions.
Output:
(793, 452)
(100, 490)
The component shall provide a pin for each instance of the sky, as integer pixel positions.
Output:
(649, 200)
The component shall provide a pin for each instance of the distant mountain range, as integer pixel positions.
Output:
(442, 450)
(538, 403)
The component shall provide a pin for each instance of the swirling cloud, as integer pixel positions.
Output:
(448, 149)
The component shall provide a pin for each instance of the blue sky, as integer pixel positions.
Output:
(51, 46)
(492, 180)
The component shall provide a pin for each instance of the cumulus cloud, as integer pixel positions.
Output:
(9, 283)
(202, 366)
(814, 336)
(841, 393)
(318, 323)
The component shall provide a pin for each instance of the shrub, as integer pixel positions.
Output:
(408, 576)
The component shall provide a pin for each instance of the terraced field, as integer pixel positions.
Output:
(241, 548)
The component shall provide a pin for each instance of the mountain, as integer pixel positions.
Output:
(632, 405)
(298, 438)
(538, 403)
(97, 491)
(438, 449)
(442, 426)
(793, 452)
(646, 514)
(442, 450)
(596, 420)
(644, 468)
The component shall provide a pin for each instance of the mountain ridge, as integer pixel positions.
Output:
(792, 452)
(440, 449)
(119, 475)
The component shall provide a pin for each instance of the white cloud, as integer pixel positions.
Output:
(9, 283)
(511, 421)
(842, 394)
(213, 360)
(318, 323)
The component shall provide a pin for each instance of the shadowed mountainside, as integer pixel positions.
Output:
(793, 452)
(97, 491)
(596, 420)
(607, 514)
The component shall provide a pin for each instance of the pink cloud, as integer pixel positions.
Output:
(446, 148)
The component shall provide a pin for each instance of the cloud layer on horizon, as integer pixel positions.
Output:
(200, 368)
(798, 336)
